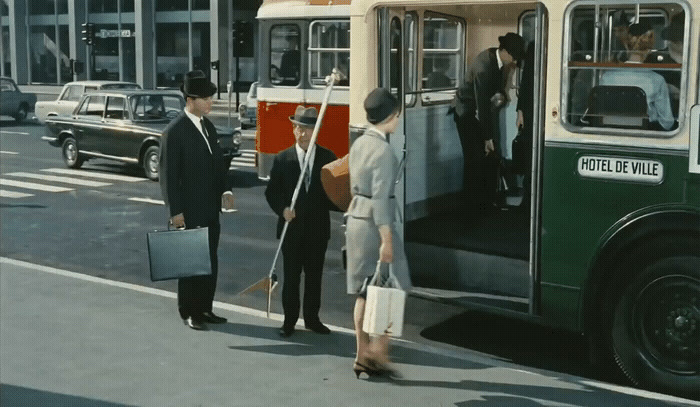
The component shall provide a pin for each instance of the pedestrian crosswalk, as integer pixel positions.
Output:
(246, 159)
(23, 184)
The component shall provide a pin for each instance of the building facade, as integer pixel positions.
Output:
(150, 42)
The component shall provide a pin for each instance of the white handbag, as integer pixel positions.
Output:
(384, 306)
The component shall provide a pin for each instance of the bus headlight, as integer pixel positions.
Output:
(237, 138)
(241, 110)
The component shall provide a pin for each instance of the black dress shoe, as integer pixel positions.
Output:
(286, 331)
(212, 319)
(318, 327)
(194, 323)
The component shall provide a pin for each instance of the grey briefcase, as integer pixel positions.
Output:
(176, 254)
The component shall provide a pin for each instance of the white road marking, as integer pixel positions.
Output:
(13, 194)
(236, 164)
(65, 180)
(94, 174)
(14, 132)
(9, 152)
(147, 200)
(31, 185)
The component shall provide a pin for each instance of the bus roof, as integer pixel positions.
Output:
(304, 9)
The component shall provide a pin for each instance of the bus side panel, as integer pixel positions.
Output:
(275, 130)
(578, 211)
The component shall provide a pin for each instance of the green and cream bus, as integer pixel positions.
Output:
(610, 243)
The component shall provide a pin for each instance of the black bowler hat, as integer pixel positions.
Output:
(304, 116)
(514, 44)
(196, 85)
(379, 105)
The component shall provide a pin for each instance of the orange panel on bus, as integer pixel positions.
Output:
(274, 132)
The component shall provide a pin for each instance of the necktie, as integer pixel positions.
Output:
(307, 173)
(206, 134)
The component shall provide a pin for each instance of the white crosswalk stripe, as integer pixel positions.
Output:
(246, 159)
(32, 185)
(63, 180)
(94, 174)
(13, 194)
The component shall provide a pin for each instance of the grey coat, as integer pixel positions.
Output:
(373, 169)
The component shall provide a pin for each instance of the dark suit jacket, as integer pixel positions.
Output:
(192, 179)
(312, 219)
(483, 80)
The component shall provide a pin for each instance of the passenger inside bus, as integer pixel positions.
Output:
(672, 53)
(291, 61)
(478, 101)
(638, 40)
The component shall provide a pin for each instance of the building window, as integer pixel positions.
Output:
(285, 55)
(624, 68)
(42, 43)
(172, 5)
(443, 38)
(172, 54)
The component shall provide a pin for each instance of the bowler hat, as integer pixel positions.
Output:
(379, 104)
(304, 116)
(196, 85)
(514, 44)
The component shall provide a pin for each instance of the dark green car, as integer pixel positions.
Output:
(124, 125)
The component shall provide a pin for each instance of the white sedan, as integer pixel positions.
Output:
(70, 96)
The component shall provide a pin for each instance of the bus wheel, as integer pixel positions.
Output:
(656, 324)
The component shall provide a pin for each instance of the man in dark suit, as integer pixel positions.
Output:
(306, 239)
(478, 101)
(194, 184)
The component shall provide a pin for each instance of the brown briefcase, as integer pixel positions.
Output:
(335, 177)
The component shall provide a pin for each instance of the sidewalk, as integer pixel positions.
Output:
(75, 340)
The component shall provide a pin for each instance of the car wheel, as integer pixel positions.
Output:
(71, 154)
(151, 161)
(21, 113)
(655, 334)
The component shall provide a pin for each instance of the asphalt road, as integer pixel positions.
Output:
(100, 229)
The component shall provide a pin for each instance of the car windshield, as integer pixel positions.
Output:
(156, 107)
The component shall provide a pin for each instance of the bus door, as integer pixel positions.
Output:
(481, 258)
(392, 51)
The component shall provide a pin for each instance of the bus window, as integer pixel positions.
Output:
(410, 33)
(626, 73)
(442, 52)
(285, 55)
(329, 48)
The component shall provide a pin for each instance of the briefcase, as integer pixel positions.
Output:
(174, 254)
(384, 306)
(335, 178)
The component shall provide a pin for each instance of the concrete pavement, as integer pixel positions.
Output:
(76, 340)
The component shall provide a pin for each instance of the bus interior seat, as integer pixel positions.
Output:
(617, 106)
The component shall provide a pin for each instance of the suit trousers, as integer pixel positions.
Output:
(309, 259)
(480, 176)
(195, 295)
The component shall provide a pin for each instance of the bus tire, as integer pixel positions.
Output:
(655, 333)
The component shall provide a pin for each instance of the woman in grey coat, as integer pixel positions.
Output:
(371, 234)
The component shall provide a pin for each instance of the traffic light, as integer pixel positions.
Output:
(242, 33)
(88, 33)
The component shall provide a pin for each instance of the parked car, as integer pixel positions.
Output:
(247, 110)
(14, 102)
(70, 96)
(125, 126)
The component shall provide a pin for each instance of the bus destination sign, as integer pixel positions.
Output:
(621, 169)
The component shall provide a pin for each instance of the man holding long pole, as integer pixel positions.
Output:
(308, 221)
